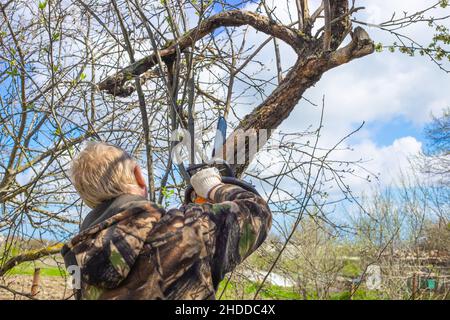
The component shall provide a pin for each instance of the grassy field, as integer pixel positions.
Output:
(53, 286)
(273, 292)
(27, 268)
(53, 276)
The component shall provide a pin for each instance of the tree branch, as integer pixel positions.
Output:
(327, 33)
(313, 61)
(115, 84)
(30, 256)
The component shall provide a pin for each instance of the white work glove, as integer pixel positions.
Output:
(205, 180)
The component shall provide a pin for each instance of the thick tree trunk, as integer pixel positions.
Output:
(315, 57)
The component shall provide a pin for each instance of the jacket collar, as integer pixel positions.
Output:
(108, 209)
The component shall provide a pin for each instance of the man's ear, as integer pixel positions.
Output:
(139, 177)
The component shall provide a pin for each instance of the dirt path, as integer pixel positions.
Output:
(51, 288)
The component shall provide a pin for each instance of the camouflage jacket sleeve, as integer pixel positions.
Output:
(242, 221)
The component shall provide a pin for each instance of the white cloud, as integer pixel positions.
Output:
(380, 87)
(379, 11)
(377, 88)
(374, 89)
(25, 177)
(382, 165)
(387, 162)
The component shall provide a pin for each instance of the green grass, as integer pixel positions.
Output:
(27, 268)
(351, 269)
(270, 292)
(273, 292)
(48, 272)
(360, 294)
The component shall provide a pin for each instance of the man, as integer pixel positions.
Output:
(129, 248)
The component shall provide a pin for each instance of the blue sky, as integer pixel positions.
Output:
(394, 94)
(386, 133)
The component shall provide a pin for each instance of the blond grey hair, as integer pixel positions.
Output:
(101, 172)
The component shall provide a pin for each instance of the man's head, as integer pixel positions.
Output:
(102, 172)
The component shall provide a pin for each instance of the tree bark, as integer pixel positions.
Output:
(313, 61)
(305, 74)
(115, 84)
(30, 256)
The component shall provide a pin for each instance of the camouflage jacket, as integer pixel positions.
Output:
(129, 248)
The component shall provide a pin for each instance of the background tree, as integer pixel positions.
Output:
(435, 161)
